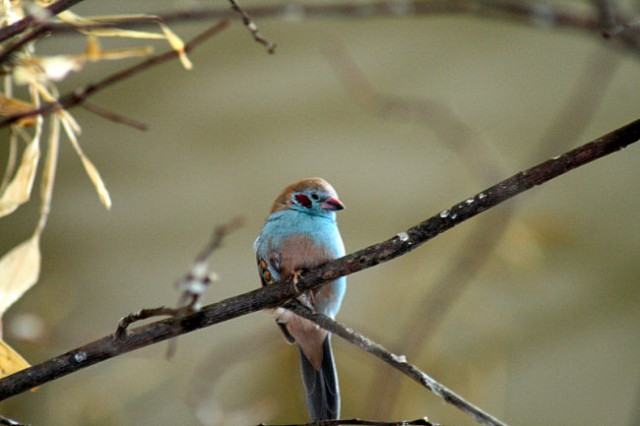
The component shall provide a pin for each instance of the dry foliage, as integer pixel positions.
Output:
(20, 267)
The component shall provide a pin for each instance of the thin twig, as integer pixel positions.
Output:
(540, 14)
(198, 279)
(252, 27)
(399, 362)
(192, 284)
(34, 34)
(5, 421)
(531, 13)
(21, 25)
(142, 314)
(114, 116)
(276, 294)
(79, 95)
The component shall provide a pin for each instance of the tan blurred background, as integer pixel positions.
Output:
(546, 332)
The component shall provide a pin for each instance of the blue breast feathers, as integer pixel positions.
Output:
(279, 244)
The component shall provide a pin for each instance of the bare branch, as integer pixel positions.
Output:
(278, 294)
(399, 362)
(142, 314)
(21, 25)
(252, 27)
(10, 422)
(197, 280)
(113, 116)
(531, 13)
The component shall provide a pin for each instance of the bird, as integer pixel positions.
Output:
(299, 234)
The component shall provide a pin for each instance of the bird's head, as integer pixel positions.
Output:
(313, 196)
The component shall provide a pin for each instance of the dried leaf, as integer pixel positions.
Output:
(19, 189)
(11, 14)
(177, 44)
(10, 106)
(10, 360)
(74, 19)
(46, 68)
(94, 175)
(19, 271)
(89, 167)
(174, 41)
(94, 52)
(93, 49)
(116, 54)
(49, 173)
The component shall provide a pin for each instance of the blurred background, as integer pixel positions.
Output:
(530, 311)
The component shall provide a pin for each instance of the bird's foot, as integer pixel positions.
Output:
(296, 277)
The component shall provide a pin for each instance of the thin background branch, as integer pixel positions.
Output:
(530, 13)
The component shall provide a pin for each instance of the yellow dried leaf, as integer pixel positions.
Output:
(91, 170)
(94, 52)
(19, 189)
(56, 68)
(19, 271)
(93, 49)
(134, 52)
(177, 44)
(10, 106)
(94, 175)
(49, 173)
(174, 41)
(10, 360)
(74, 19)
(47, 68)
(11, 14)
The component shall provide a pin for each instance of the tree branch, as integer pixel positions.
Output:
(536, 13)
(399, 362)
(531, 13)
(252, 27)
(278, 294)
(21, 25)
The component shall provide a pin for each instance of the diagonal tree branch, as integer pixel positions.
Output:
(21, 25)
(278, 294)
(399, 362)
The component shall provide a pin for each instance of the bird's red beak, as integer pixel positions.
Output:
(332, 203)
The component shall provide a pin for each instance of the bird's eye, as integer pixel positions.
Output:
(303, 200)
(315, 196)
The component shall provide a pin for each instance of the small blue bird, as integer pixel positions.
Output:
(301, 233)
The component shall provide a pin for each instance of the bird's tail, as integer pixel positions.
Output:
(321, 386)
